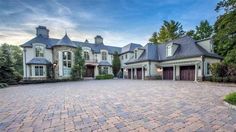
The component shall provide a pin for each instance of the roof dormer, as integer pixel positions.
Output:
(171, 49)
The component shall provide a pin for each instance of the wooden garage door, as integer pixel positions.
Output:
(187, 73)
(139, 73)
(168, 73)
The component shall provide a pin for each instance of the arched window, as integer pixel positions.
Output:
(66, 56)
(86, 55)
(104, 55)
(39, 51)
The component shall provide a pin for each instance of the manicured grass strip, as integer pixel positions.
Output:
(231, 98)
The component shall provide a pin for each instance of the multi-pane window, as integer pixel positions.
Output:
(103, 70)
(86, 55)
(104, 55)
(168, 50)
(135, 54)
(125, 56)
(39, 51)
(66, 63)
(38, 70)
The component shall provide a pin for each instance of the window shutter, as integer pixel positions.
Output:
(60, 63)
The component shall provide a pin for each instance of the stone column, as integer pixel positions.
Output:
(174, 73)
(196, 72)
(132, 74)
(142, 73)
(123, 72)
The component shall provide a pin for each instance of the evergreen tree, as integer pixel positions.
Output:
(79, 65)
(116, 64)
(225, 31)
(154, 38)
(204, 30)
(169, 30)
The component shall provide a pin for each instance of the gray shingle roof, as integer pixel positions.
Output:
(65, 41)
(50, 42)
(104, 63)
(130, 47)
(187, 48)
(38, 61)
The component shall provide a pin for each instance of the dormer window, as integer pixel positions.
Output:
(135, 54)
(39, 51)
(169, 50)
(104, 55)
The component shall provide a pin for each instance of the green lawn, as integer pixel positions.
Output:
(231, 98)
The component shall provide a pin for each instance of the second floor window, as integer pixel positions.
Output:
(39, 51)
(86, 55)
(125, 56)
(135, 54)
(104, 55)
(168, 50)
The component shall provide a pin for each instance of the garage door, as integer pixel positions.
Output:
(187, 73)
(139, 73)
(168, 73)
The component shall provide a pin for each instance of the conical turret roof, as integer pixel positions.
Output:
(65, 41)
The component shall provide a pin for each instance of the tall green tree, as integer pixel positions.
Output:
(190, 33)
(154, 38)
(78, 68)
(170, 30)
(116, 64)
(204, 30)
(225, 30)
(8, 74)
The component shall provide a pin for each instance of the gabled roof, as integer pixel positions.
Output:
(130, 47)
(38, 61)
(187, 48)
(65, 41)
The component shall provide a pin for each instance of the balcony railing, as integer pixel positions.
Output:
(91, 61)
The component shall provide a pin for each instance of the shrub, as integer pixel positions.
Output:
(208, 78)
(158, 77)
(231, 98)
(225, 79)
(222, 72)
(232, 79)
(104, 76)
(3, 85)
(218, 79)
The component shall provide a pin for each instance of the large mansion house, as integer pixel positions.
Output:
(180, 59)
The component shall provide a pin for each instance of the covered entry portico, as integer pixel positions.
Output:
(184, 70)
(134, 72)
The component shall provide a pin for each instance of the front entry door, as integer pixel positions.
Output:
(89, 71)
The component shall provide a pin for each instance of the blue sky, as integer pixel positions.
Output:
(118, 21)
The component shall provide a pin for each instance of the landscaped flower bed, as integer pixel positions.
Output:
(231, 98)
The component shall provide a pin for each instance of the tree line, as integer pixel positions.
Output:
(223, 31)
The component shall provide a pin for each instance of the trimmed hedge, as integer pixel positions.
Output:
(104, 76)
(231, 98)
(3, 85)
(47, 81)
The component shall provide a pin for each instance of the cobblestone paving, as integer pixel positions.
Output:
(116, 105)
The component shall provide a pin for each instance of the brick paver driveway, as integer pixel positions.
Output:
(116, 105)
